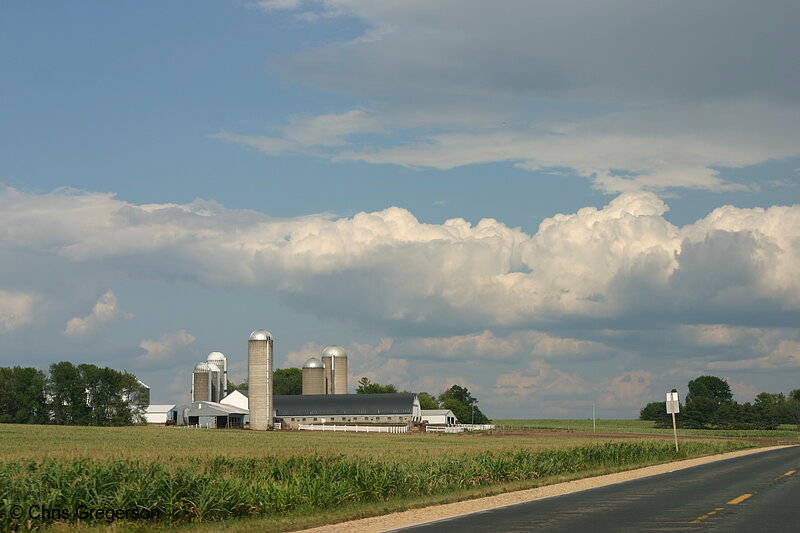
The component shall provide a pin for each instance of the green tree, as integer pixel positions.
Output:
(652, 411)
(287, 381)
(699, 413)
(22, 396)
(67, 393)
(426, 401)
(791, 408)
(728, 415)
(464, 406)
(365, 386)
(709, 387)
(768, 410)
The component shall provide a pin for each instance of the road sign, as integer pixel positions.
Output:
(673, 407)
(672, 403)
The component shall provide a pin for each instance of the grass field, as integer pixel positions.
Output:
(176, 445)
(642, 426)
(278, 481)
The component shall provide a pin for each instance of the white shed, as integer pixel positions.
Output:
(439, 417)
(158, 414)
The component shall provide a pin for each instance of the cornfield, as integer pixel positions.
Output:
(217, 488)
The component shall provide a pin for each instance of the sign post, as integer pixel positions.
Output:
(673, 407)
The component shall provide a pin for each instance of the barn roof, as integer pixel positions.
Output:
(213, 409)
(344, 404)
(159, 408)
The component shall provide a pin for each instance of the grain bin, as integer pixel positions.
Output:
(259, 378)
(334, 358)
(313, 376)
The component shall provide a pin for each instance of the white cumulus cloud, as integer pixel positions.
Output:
(164, 346)
(16, 309)
(105, 310)
(386, 268)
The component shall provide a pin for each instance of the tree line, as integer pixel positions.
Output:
(710, 405)
(80, 395)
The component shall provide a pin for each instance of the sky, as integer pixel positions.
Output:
(557, 204)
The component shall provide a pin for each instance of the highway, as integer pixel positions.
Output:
(758, 492)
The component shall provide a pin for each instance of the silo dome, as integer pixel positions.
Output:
(202, 367)
(260, 335)
(217, 358)
(313, 362)
(211, 366)
(334, 351)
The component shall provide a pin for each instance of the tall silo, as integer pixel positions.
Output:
(259, 378)
(334, 358)
(313, 376)
(216, 382)
(201, 383)
(218, 358)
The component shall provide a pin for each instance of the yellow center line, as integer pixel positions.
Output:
(740, 499)
(710, 513)
(789, 473)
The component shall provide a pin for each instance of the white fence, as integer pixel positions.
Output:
(360, 429)
(459, 428)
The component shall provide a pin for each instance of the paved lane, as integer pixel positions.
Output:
(759, 492)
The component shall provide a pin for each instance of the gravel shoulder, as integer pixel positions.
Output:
(412, 517)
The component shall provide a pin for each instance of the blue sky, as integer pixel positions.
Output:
(556, 204)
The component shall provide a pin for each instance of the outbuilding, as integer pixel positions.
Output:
(211, 415)
(160, 413)
(439, 417)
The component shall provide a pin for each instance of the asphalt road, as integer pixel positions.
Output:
(759, 492)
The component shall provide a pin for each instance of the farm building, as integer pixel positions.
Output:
(159, 414)
(439, 417)
(400, 408)
(211, 415)
(236, 398)
(293, 410)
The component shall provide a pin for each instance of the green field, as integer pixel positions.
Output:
(279, 481)
(641, 426)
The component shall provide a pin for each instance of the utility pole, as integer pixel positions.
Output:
(594, 420)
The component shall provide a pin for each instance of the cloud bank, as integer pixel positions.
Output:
(623, 262)
(616, 286)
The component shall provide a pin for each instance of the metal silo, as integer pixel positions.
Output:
(259, 378)
(313, 376)
(201, 383)
(335, 360)
(218, 358)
